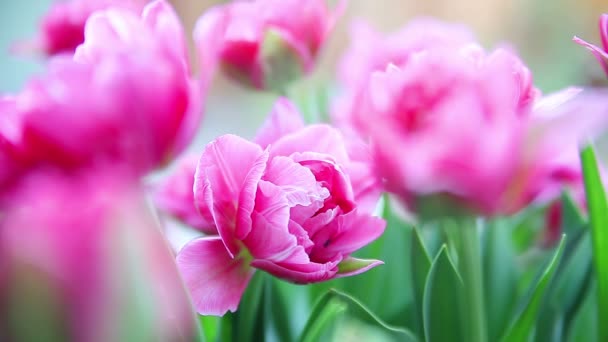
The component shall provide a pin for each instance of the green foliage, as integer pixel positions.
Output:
(598, 219)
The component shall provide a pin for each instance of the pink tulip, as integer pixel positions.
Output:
(125, 96)
(82, 252)
(601, 53)
(285, 205)
(263, 43)
(371, 51)
(62, 27)
(460, 129)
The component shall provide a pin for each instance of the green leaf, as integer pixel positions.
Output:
(567, 290)
(276, 314)
(500, 277)
(584, 325)
(598, 219)
(333, 305)
(441, 308)
(248, 323)
(349, 265)
(572, 218)
(523, 324)
(421, 264)
(386, 289)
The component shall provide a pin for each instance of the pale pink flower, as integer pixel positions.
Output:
(62, 27)
(264, 43)
(601, 53)
(285, 205)
(459, 130)
(82, 251)
(125, 96)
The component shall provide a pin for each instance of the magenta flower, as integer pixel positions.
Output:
(461, 130)
(62, 28)
(262, 43)
(601, 53)
(82, 251)
(125, 96)
(286, 205)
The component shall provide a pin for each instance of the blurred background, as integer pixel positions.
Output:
(540, 30)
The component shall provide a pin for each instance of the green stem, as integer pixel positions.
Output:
(469, 260)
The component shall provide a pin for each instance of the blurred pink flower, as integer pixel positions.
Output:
(286, 205)
(458, 129)
(372, 51)
(62, 27)
(125, 96)
(82, 251)
(263, 43)
(601, 53)
(175, 196)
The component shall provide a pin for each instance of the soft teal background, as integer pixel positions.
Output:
(18, 21)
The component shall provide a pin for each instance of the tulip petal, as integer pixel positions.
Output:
(599, 53)
(353, 266)
(314, 138)
(297, 182)
(226, 181)
(215, 280)
(176, 197)
(298, 273)
(161, 17)
(284, 119)
(270, 238)
(346, 234)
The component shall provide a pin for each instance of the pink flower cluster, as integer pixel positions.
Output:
(425, 113)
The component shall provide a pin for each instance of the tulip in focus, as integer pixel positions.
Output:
(461, 131)
(285, 204)
(601, 53)
(126, 96)
(62, 27)
(264, 44)
(81, 257)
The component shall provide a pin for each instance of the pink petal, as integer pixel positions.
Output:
(314, 138)
(298, 273)
(284, 119)
(600, 54)
(353, 266)
(270, 238)
(604, 30)
(346, 234)
(161, 17)
(215, 280)
(296, 181)
(175, 195)
(366, 185)
(226, 181)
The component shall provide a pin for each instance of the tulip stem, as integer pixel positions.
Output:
(469, 260)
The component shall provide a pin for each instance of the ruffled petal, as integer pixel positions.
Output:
(298, 273)
(215, 280)
(226, 181)
(270, 238)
